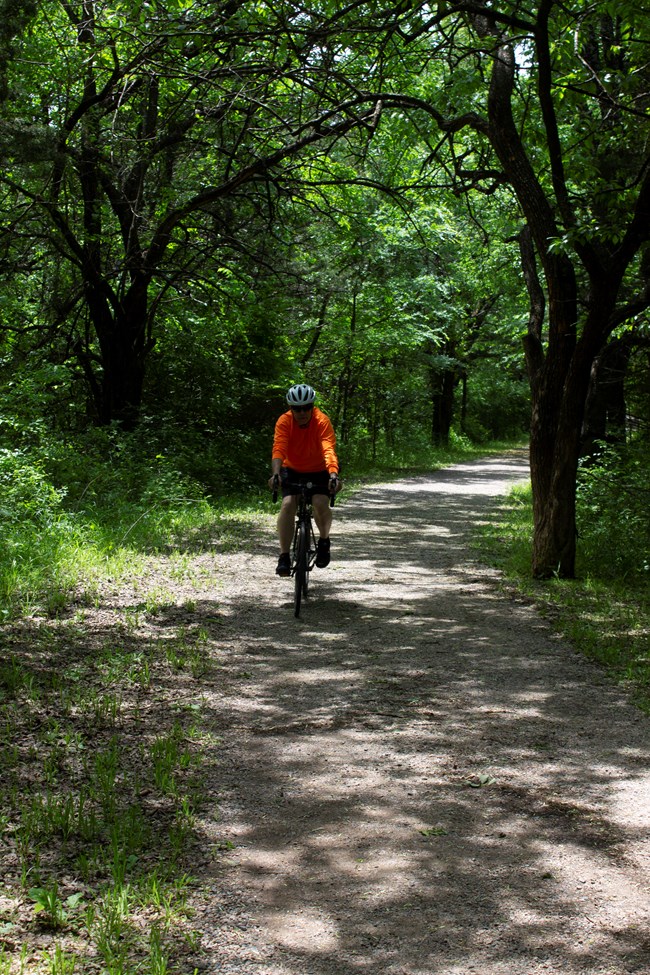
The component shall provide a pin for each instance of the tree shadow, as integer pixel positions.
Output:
(425, 779)
(415, 776)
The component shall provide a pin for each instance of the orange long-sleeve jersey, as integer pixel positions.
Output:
(306, 449)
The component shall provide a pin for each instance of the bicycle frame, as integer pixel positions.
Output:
(304, 512)
(304, 546)
(303, 549)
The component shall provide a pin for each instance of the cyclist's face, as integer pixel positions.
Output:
(302, 414)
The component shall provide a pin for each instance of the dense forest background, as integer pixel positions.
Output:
(436, 215)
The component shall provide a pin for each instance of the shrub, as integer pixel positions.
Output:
(613, 501)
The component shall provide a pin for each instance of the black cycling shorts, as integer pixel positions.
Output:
(319, 479)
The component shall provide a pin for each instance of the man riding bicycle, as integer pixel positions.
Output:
(304, 449)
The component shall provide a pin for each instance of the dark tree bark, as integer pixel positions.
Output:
(605, 408)
(560, 372)
(443, 383)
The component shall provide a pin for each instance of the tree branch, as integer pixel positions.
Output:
(532, 340)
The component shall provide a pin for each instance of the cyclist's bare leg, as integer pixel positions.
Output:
(322, 514)
(286, 520)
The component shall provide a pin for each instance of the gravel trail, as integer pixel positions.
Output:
(417, 777)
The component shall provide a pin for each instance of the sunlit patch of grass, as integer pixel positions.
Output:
(607, 619)
(63, 545)
(64, 571)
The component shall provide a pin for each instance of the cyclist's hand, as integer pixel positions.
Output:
(335, 484)
(274, 482)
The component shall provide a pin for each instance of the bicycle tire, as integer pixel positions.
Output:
(308, 543)
(300, 573)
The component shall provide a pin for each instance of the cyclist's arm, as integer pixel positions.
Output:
(280, 444)
(328, 444)
(280, 441)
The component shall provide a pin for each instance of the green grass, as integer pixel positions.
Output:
(83, 552)
(102, 795)
(605, 617)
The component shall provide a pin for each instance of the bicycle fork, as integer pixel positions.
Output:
(311, 543)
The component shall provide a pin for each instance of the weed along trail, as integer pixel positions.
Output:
(416, 777)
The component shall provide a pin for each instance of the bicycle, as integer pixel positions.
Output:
(303, 549)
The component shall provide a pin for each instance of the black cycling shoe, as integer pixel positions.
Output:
(322, 552)
(284, 565)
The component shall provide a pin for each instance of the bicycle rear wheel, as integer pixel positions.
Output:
(301, 574)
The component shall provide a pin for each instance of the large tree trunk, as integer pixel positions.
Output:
(559, 381)
(122, 381)
(554, 452)
(124, 345)
(558, 369)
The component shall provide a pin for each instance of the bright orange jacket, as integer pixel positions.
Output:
(306, 449)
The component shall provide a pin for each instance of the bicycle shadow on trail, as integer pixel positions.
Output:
(421, 781)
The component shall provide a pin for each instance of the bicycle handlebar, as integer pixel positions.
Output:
(302, 484)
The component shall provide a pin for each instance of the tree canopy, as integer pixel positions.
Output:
(550, 102)
(203, 201)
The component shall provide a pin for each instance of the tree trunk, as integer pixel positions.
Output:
(463, 402)
(605, 412)
(124, 345)
(559, 398)
(554, 429)
(122, 381)
(442, 405)
(553, 470)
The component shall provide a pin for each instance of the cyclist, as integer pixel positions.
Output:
(304, 449)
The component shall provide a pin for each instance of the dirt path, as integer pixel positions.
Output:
(417, 778)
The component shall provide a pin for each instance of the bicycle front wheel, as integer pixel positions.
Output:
(300, 577)
(305, 583)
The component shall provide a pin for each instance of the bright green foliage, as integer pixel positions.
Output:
(145, 165)
(204, 203)
(159, 208)
(56, 910)
(196, 232)
(613, 505)
(34, 526)
(119, 499)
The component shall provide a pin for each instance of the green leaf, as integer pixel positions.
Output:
(480, 781)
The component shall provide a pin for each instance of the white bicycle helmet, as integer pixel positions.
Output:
(301, 395)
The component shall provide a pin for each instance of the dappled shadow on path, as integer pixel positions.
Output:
(416, 777)
(426, 781)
